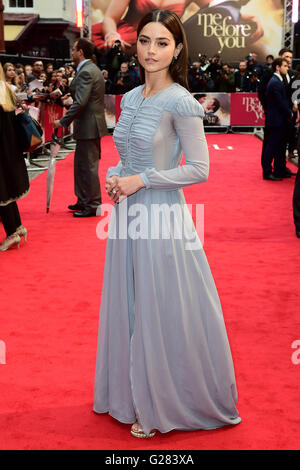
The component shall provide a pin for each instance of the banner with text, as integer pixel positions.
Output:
(230, 28)
(246, 110)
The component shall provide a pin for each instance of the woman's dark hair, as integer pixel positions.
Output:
(179, 67)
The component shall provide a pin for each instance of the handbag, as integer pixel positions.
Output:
(29, 132)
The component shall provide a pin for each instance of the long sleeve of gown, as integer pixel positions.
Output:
(116, 170)
(188, 124)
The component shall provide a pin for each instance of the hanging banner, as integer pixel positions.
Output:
(246, 110)
(230, 28)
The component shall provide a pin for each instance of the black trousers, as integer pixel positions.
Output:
(292, 134)
(274, 148)
(10, 216)
(86, 164)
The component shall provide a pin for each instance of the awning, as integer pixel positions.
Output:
(17, 25)
(11, 32)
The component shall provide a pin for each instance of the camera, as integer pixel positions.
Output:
(117, 44)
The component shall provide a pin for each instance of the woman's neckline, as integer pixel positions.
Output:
(157, 93)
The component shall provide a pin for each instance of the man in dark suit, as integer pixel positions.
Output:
(87, 112)
(288, 79)
(278, 115)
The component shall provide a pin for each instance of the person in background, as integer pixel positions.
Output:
(269, 62)
(87, 112)
(37, 69)
(278, 115)
(225, 81)
(28, 72)
(242, 78)
(253, 66)
(14, 183)
(43, 77)
(254, 82)
(288, 80)
(21, 80)
(123, 81)
(108, 82)
(10, 75)
(49, 68)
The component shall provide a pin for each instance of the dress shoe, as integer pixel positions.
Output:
(271, 177)
(85, 213)
(298, 233)
(288, 173)
(75, 207)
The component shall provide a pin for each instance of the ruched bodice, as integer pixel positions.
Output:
(152, 133)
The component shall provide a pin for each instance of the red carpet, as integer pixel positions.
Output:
(50, 297)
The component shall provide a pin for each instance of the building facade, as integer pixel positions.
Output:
(40, 28)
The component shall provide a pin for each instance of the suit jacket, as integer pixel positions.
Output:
(279, 106)
(87, 110)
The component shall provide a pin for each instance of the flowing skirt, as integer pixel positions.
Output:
(163, 353)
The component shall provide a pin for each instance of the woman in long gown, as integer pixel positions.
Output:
(164, 360)
(14, 182)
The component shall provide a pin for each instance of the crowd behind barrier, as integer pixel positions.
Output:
(230, 89)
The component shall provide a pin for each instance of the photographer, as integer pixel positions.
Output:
(196, 78)
(214, 67)
(123, 81)
(254, 82)
(114, 58)
(134, 71)
(225, 82)
(242, 78)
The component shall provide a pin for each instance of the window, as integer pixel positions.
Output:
(20, 3)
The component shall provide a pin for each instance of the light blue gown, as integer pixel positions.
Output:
(163, 353)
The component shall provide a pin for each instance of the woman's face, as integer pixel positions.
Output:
(53, 77)
(155, 47)
(10, 72)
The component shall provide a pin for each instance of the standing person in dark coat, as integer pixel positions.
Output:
(14, 182)
(278, 115)
(242, 78)
(288, 79)
(87, 112)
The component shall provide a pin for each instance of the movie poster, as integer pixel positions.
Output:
(216, 108)
(229, 28)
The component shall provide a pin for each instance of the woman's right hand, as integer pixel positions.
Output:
(110, 185)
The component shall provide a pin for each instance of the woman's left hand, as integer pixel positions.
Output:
(126, 186)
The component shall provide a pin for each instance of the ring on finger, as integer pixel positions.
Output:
(114, 191)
